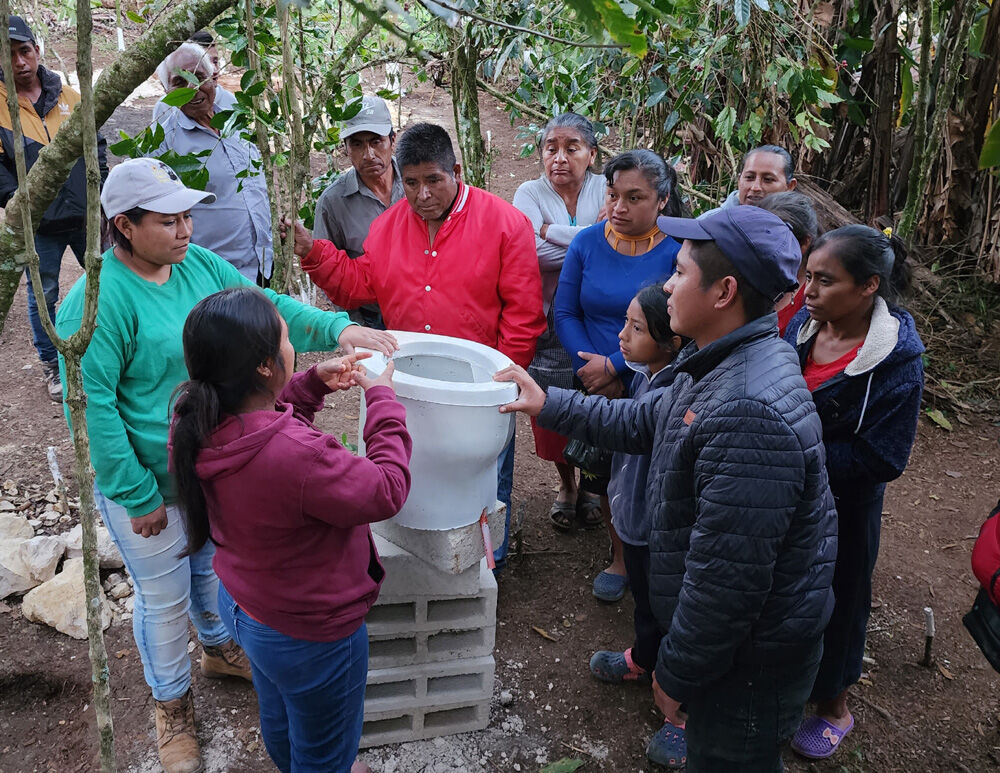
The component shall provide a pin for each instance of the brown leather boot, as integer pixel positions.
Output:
(176, 740)
(225, 660)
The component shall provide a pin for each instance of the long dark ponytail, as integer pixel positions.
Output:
(226, 337)
(866, 252)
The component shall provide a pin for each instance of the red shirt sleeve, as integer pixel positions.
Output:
(346, 281)
(522, 319)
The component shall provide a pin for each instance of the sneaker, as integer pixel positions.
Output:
(50, 372)
(227, 659)
(668, 747)
(617, 667)
(176, 741)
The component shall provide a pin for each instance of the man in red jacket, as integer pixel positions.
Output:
(451, 259)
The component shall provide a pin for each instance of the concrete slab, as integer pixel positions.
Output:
(453, 550)
(407, 576)
(393, 690)
(421, 723)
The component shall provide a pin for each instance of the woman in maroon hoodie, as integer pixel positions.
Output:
(288, 509)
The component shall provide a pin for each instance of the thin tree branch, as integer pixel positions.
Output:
(525, 30)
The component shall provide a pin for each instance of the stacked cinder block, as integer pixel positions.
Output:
(431, 637)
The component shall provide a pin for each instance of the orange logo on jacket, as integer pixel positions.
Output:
(689, 417)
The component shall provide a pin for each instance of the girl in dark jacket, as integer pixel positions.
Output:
(861, 359)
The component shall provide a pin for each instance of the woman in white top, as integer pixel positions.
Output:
(565, 199)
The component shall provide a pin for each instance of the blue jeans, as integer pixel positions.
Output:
(168, 590)
(50, 249)
(742, 721)
(505, 484)
(311, 693)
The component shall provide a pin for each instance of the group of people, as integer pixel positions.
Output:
(750, 385)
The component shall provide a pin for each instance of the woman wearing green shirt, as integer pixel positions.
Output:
(151, 278)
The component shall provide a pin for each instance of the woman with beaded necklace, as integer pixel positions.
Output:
(605, 266)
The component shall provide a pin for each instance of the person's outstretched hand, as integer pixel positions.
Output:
(341, 372)
(597, 371)
(366, 382)
(303, 239)
(532, 396)
(354, 336)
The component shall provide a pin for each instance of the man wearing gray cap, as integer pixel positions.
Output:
(744, 530)
(45, 103)
(347, 208)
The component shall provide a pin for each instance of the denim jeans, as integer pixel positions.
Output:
(505, 484)
(311, 693)
(50, 249)
(743, 721)
(168, 589)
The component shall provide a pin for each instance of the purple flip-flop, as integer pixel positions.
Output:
(818, 739)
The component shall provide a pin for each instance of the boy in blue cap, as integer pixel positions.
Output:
(743, 540)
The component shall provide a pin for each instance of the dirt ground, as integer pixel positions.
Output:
(909, 718)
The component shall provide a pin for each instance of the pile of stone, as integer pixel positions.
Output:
(47, 568)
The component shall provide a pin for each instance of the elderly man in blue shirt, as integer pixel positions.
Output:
(237, 226)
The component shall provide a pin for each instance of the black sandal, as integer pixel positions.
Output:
(588, 511)
(561, 514)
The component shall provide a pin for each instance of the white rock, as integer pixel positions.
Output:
(120, 591)
(15, 527)
(50, 517)
(40, 556)
(14, 575)
(61, 602)
(506, 697)
(34, 523)
(110, 557)
(113, 579)
(64, 519)
(129, 604)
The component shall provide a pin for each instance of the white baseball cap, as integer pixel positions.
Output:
(373, 117)
(150, 184)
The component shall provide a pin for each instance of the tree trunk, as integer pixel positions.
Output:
(883, 119)
(917, 177)
(73, 349)
(465, 100)
(129, 69)
(924, 159)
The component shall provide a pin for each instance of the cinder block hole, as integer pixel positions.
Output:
(449, 641)
(388, 690)
(382, 726)
(448, 610)
(392, 648)
(449, 717)
(392, 614)
(455, 684)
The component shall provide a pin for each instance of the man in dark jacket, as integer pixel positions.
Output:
(743, 538)
(45, 103)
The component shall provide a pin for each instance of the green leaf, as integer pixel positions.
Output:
(123, 147)
(906, 95)
(565, 765)
(990, 155)
(255, 89)
(133, 16)
(179, 97)
(939, 418)
(741, 9)
(248, 77)
(631, 68)
(608, 15)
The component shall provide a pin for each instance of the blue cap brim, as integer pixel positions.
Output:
(683, 228)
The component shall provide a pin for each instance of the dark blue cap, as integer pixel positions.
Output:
(19, 30)
(760, 245)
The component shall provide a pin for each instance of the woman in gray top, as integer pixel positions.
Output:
(565, 199)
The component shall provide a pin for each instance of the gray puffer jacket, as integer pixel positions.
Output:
(744, 531)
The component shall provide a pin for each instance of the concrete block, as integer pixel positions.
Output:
(404, 631)
(442, 609)
(393, 690)
(422, 723)
(451, 550)
(407, 576)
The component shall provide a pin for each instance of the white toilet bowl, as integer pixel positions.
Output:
(446, 385)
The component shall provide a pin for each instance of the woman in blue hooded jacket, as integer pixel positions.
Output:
(861, 359)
